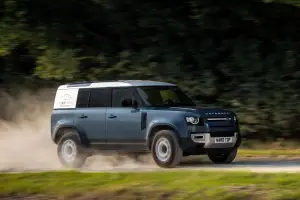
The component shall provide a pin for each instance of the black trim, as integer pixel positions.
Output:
(98, 141)
(79, 84)
(89, 99)
(117, 141)
(120, 148)
(110, 97)
(143, 120)
(138, 97)
(119, 145)
(125, 141)
(239, 141)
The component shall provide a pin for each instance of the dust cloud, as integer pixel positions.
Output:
(25, 141)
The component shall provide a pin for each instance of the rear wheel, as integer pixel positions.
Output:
(222, 157)
(165, 149)
(71, 153)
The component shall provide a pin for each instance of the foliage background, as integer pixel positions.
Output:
(240, 55)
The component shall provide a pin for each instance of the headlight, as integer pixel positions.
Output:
(192, 120)
(234, 119)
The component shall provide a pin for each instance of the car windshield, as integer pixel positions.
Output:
(165, 96)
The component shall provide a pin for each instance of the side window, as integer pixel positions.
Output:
(83, 98)
(99, 97)
(119, 94)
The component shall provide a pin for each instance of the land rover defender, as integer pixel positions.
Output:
(139, 116)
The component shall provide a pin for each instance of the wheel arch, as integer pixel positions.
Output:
(62, 130)
(156, 128)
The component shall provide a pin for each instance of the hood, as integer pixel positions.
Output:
(215, 117)
(207, 112)
(214, 112)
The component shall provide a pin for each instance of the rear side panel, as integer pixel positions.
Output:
(63, 109)
(65, 98)
(60, 119)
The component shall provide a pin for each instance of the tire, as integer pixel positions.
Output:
(70, 142)
(165, 141)
(223, 158)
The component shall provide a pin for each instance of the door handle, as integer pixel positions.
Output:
(111, 116)
(83, 116)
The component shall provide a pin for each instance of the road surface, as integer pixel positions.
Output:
(252, 165)
(260, 165)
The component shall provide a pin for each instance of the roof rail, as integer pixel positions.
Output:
(80, 82)
(77, 84)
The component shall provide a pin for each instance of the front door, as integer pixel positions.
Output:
(123, 124)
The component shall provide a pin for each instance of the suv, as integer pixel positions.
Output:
(135, 117)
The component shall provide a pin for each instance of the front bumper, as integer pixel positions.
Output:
(208, 141)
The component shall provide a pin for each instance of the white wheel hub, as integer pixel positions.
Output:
(163, 149)
(69, 151)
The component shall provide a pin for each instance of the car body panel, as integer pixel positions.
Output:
(92, 122)
(124, 126)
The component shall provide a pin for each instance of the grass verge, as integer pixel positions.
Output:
(154, 185)
(270, 153)
(277, 149)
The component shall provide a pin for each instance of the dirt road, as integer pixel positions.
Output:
(242, 164)
(192, 163)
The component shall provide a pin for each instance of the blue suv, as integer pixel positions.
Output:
(139, 116)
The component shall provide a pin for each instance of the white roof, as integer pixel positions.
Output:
(120, 83)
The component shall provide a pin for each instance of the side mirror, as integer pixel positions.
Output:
(129, 103)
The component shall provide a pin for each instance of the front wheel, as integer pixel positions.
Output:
(70, 152)
(222, 157)
(165, 149)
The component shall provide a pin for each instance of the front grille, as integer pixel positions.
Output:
(219, 119)
(218, 116)
(222, 134)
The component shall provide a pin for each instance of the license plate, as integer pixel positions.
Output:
(223, 140)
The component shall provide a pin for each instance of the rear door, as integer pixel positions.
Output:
(91, 113)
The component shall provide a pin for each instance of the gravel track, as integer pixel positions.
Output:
(258, 165)
(251, 165)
